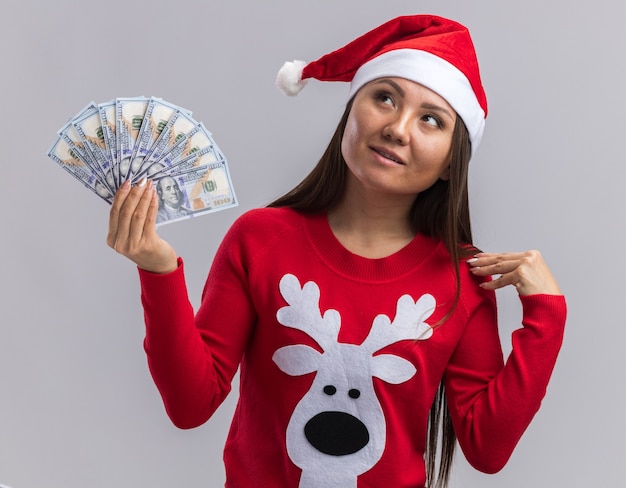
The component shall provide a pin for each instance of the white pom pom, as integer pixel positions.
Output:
(289, 79)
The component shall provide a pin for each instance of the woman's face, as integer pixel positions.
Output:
(398, 137)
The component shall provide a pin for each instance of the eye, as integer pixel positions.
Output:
(330, 390)
(433, 120)
(384, 97)
(354, 393)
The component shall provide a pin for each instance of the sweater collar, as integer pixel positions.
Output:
(331, 251)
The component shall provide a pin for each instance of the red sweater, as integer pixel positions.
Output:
(338, 375)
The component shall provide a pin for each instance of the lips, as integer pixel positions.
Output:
(387, 154)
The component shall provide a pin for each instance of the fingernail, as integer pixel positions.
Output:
(473, 260)
(143, 182)
(125, 185)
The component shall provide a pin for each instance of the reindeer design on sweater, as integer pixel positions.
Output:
(337, 431)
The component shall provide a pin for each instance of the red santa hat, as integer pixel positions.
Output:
(433, 51)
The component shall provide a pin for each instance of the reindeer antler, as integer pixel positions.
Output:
(409, 323)
(303, 312)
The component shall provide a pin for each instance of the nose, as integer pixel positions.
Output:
(397, 129)
(336, 433)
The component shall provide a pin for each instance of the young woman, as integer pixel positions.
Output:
(362, 318)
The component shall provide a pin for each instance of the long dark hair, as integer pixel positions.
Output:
(442, 212)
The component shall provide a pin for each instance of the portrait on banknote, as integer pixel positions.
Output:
(171, 200)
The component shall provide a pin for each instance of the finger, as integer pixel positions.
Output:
(136, 230)
(500, 282)
(118, 201)
(484, 259)
(125, 216)
(499, 267)
(151, 216)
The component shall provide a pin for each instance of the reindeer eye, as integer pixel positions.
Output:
(354, 393)
(330, 390)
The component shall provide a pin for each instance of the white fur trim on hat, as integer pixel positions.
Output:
(434, 73)
(289, 77)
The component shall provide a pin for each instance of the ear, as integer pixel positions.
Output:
(392, 369)
(445, 175)
(297, 360)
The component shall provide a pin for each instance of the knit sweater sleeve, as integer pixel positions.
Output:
(193, 358)
(493, 402)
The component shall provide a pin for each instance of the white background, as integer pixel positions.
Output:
(78, 408)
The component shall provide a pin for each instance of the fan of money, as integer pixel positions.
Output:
(108, 143)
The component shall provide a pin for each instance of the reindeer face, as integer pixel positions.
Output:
(339, 425)
(330, 415)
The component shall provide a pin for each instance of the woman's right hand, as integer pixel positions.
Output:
(132, 228)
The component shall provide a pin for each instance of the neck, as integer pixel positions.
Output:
(371, 226)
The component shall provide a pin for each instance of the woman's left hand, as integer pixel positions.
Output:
(527, 271)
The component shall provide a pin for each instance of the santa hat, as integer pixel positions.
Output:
(437, 53)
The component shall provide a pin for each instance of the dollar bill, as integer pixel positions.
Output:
(158, 114)
(197, 159)
(180, 126)
(129, 118)
(69, 134)
(66, 158)
(89, 128)
(108, 122)
(196, 192)
(198, 139)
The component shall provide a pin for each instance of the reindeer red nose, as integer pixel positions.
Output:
(336, 433)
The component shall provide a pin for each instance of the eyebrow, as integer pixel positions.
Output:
(392, 83)
(428, 106)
